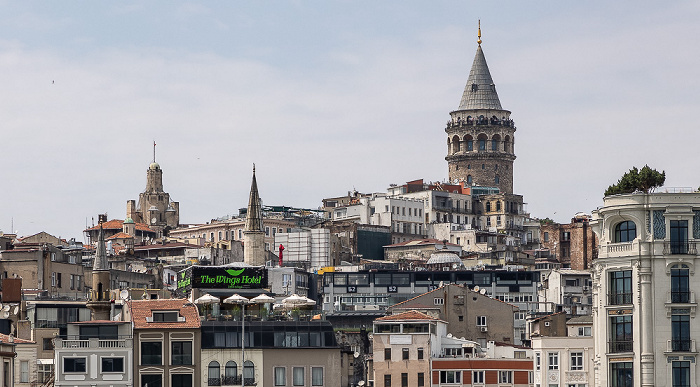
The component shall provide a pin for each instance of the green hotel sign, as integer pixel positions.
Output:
(222, 277)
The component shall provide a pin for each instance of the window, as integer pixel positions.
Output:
(620, 287)
(181, 380)
(470, 145)
(213, 374)
(151, 353)
(680, 333)
(248, 372)
(621, 374)
(24, 371)
(181, 353)
(454, 377)
(679, 237)
(387, 380)
(280, 376)
(404, 353)
(553, 360)
(420, 353)
(625, 232)
(481, 321)
(497, 179)
(151, 380)
(165, 316)
(680, 284)
(482, 145)
(438, 301)
(584, 331)
(74, 364)
(45, 372)
(404, 379)
(681, 374)
(546, 236)
(387, 353)
(519, 354)
(505, 377)
(538, 361)
(621, 334)
(494, 145)
(47, 344)
(71, 284)
(477, 377)
(112, 364)
(230, 372)
(317, 376)
(576, 361)
(469, 179)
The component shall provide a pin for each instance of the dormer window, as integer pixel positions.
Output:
(165, 316)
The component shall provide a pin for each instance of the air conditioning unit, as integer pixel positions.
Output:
(366, 307)
(484, 329)
(586, 288)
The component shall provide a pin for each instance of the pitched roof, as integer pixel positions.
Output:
(117, 224)
(480, 91)
(15, 340)
(548, 315)
(120, 235)
(407, 316)
(141, 309)
(422, 242)
(253, 220)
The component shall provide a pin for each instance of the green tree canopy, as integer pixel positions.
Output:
(644, 180)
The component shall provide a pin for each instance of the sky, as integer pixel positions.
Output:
(329, 96)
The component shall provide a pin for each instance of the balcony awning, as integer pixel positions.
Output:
(44, 361)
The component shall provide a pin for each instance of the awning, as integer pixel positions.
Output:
(44, 361)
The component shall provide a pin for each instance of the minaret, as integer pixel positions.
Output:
(480, 133)
(253, 235)
(99, 302)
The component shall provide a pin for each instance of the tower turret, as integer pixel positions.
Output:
(480, 133)
(253, 235)
(100, 299)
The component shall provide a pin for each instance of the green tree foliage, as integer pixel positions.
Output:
(644, 180)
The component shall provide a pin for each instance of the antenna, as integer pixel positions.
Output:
(479, 41)
(154, 151)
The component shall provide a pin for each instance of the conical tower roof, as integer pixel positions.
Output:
(100, 253)
(253, 220)
(480, 91)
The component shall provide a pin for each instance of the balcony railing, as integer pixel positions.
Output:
(93, 343)
(680, 346)
(619, 298)
(230, 381)
(680, 247)
(617, 346)
(680, 297)
(619, 247)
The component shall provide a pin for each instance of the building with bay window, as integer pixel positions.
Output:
(644, 307)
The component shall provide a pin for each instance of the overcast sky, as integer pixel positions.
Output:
(327, 96)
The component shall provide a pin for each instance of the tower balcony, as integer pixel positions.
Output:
(480, 121)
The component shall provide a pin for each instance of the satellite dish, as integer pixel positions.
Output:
(370, 336)
(356, 354)
(442, 284)
(483, 291)
(449, 335)
(6, 308)
(476, 288)
(124, 294)
(16, 310)
(0, 305)
(361, 383)
(4, 314)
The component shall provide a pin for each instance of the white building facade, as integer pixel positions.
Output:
(644, 306)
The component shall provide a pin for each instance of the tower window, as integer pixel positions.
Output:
(483, 166)
(469, 179)
(496, 179)
(482, 145)
(469, 166)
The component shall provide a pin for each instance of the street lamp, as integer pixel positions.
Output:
(240, 300)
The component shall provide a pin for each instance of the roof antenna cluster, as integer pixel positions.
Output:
(154, 149)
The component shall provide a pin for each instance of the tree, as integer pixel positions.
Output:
(644, 180)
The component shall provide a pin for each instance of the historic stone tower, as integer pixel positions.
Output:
(100, 300)
(480, 134)
(154, 206)
(253, 235)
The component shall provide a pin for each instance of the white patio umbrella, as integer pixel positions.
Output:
(294, 300)
(207, 299)
(309, 302)
(236, 299)
(263, 299)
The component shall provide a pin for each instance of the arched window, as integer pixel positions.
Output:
(488, 206)
(680, 284)
(469, 179)
(248, 372)
(470, 142)
(230, 373)
(497, 179)
(625, 231)
(455, 144)
(498, 203)
(214, 375)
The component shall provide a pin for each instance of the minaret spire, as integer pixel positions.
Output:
(154, 151)
(253, 236)
(479, 41)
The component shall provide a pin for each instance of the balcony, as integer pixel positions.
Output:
(680, 247)
(230, 381)
(683, 297)
(617, 346)
(93, 343)
(680, 346)
(619, 298)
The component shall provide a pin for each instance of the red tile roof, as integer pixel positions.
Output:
(410, 315)
(120, 235)
(116, 224)
(140, 309)
(6, 339)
